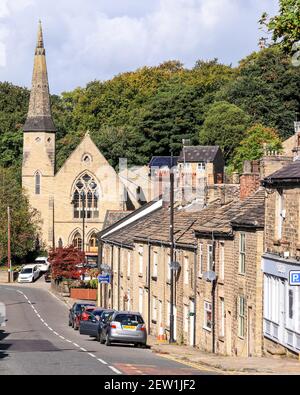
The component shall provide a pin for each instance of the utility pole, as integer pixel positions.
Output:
(171, 340)
(8, 244)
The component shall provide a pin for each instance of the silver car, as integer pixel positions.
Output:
(125, 327)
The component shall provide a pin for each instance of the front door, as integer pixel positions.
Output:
(228, 332)
(250, 333)
(192, 322)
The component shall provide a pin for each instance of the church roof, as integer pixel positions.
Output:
(39, 118)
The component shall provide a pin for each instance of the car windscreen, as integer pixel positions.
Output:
(80, 307)
(129, 319)
(26, 271)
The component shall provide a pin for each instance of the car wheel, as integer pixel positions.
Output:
(107, 341)
(136, 345)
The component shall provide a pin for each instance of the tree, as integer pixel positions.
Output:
(64, 261)
(285, 27)
(24, 220)
(225, 125)
(252, 146)
(267, 88)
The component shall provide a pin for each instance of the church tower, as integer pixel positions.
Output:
(38, 167)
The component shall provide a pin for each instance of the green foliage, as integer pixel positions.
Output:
(267, 87)
(24, 221)
(252, 146)
(225, 125)
(285, 27)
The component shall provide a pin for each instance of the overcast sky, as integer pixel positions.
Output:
(97, 39)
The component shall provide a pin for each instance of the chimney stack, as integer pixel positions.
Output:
(250, 179)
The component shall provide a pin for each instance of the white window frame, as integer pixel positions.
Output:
(141, 260)
(186, 318)
(201, 167)
(207, 325)
(241, 316)
(155, 263)
(128, 263)
(280, 213)
(154, 308)
(200, 271)
(242, 253)
(141, 300)
(222, 317)
(186, 270)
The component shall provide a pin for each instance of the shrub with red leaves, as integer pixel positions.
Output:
(63, 263)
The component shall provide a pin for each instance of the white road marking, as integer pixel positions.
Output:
(114, 370)
(92, 355)
(55, 333)
(83, 349)
(76, 345)
(101, 360)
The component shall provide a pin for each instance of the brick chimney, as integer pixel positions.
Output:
(249, 180)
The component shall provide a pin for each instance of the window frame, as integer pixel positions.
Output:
(242, 253)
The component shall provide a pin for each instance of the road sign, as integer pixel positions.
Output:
(104, 279)
(295, 277)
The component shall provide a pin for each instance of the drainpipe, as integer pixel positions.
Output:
(149, 285)
(195, 297)
(112, 276)
(119, 267)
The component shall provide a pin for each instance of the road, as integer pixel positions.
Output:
(37, 340)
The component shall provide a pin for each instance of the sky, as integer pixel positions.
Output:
(97, 39)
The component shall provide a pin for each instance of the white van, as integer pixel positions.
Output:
(42, 262)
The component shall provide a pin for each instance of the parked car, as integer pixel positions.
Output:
(43, 263)
(75, 311)
(47, 276)
(124, 327)
(29, 274)
(84, 314)
(93, 325)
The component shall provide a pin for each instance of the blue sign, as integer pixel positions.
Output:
(295, 277)
(105, 279)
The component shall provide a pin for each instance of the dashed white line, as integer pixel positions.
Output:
(114, 370)
(92, 355)
(76, 345)
(101, 360)
(83, 349)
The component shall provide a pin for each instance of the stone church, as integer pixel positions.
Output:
(73, 200)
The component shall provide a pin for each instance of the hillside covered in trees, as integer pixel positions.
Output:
(149, 111)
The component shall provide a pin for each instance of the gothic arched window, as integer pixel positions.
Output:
(93, 241)
(86, 197)
(37, 183)
(77, 241)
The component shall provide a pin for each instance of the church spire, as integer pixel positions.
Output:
(39, 118)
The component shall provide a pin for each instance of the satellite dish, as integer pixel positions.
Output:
(210, 276)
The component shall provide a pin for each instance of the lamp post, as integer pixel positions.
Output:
(172, 340)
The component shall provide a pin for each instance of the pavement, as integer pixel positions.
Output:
(36, 339)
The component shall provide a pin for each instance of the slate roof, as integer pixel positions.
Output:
(247, 213)
(113, 216)
(288, 174)
(200, 153)
(161, 161)
(218, 218)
